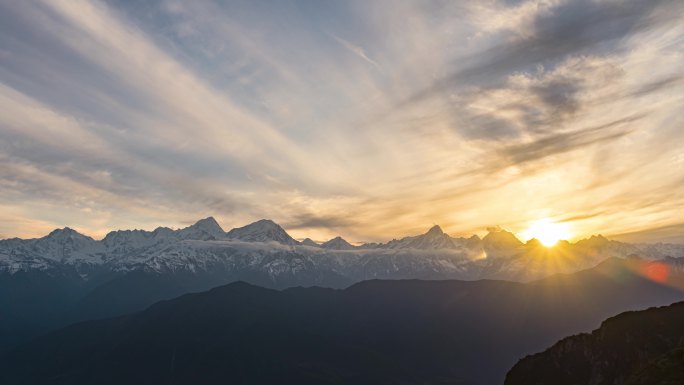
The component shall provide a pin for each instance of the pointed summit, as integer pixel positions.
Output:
(499, 242)
(309, 242)
(209, 224)
(337, 243)
(62, 242)
(204, 229)
(65, 234)
(435, 230)
(433, 239)
(596, 242)
(264, 230)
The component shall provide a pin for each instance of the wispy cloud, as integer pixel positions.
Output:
(356, 50)
(353, 118)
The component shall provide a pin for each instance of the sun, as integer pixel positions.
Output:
(547, 232)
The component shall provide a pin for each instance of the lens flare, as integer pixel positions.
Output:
(658, 272)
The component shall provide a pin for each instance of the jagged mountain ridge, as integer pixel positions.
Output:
(433, 239)
(205, 242)
(131, 269)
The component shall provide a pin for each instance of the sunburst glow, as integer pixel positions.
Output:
(547, 232)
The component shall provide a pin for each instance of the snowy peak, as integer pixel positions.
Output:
(65, 234)
(204, 229)
(433, 239)
(337, 243)
(208, 224)
(435, 231)
(309, 242)
(595, 241)
(499, 242)
(122, 241)
(598, 244)
(264, 230)
(61, 243)
(474, 242)
(65, 237)
(497, 236)
(163, 232)
(119, 236)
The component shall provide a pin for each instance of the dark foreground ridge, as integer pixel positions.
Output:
(394, 332)
(633, 348)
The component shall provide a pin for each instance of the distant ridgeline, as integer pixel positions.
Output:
(66, 277)
(398, 332)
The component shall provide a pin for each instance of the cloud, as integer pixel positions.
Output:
(356, 50)
(567, 141)
(657, 85)
(116, 114)
(668, 234)
(533, 104)
(584, 27)
(313, 220)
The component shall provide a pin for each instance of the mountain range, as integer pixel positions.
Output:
(205, 244)
(377, 331)
(66, 277)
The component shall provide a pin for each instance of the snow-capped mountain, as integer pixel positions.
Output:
(500, 243)
(131, 269)
(125, 241)
(264, 230)
(337, 243)
(206, 229)
(434, 239)
(204, 245)
(309, 242)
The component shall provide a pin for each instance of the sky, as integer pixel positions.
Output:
(368, 119)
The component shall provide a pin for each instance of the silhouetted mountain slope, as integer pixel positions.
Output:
(31, 301)
(399, 332)
(137, 290)
(667, 369)
(633, 348)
